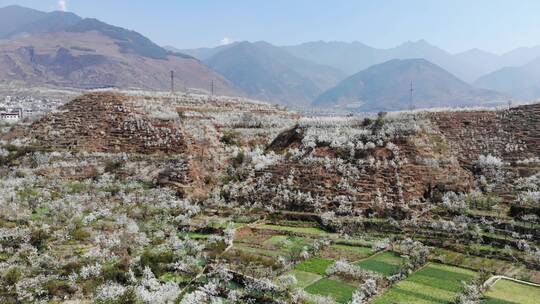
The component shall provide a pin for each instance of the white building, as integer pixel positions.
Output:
(11, 114)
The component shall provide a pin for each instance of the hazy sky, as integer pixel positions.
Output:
(455, 25)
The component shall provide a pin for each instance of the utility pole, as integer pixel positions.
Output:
(172, 82)
(411, 105)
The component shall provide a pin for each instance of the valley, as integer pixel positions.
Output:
(139, 196)
(310, 152)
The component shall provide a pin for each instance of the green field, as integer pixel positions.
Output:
(315, 265)
(259, 251)
(287, 243)
(303, 230)
(385, 263)
(196, 235)
(505, 291)
(340, 291)
(435, 283)
(305, 278)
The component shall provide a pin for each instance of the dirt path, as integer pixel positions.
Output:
(494, 279)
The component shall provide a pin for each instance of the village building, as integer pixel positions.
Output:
(11, 114)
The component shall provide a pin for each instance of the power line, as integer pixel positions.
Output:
(172, 81)
(411, 104)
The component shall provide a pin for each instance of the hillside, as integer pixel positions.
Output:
(386, 87)
(63, 49)
(132, 195)
(266, 72)
(520, 82)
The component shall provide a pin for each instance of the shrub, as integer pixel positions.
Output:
(58, 288)
(12, 276)
(229, 138)
(112, 166)
(379, 122)
(38, 239)
(80, 234)
(157, 260)
(116, 271)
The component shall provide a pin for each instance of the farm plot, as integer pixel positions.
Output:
(347, 252)
(287, 243)
(299, 230)
(269, 243)
(385, 263)
(510, 292)
(435, 283)
(305, 278)
(316, 265)
(340, 291)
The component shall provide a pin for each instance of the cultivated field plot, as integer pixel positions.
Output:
(315, 265)
(509, 292)
(305, 278)
(435, 283)
(340, 291)
(385, 263)
(314, 231)
(272, 242)
(347, 252)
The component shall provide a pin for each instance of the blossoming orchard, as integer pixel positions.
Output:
(141, 197)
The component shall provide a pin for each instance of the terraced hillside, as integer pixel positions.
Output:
(128, 197)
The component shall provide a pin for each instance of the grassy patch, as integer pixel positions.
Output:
(439, 145)
(303, 230)
(350, 253)
(495, 301)
(315, 265)
(435, 283)
(287, 243)
(259, 251)
(386, 263)
(305, 278)
(473, 262)
(195, 235)
(513, 292)
(340, 291)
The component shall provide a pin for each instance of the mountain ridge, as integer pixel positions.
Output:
(386, 87)
(269, 73)
(521, 81)
(63, 49)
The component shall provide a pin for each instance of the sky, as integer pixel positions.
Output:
(455, 25)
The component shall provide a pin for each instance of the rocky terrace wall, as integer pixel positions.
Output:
(106, 122)
(512, 134)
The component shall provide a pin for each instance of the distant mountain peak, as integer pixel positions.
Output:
(83, 54)
(385, 87)
(267, 72)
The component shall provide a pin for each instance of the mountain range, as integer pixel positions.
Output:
(63, 49)
(270, 73)
(522, 82)
(355, 56)
(382, 87)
